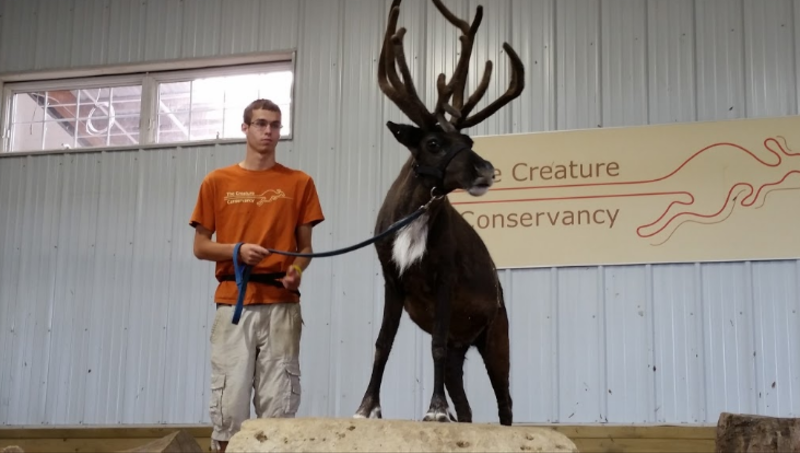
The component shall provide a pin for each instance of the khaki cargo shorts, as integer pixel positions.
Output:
(261, 353)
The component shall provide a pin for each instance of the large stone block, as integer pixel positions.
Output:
(370, 435)
(757, 433)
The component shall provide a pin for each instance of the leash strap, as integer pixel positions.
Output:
(242, 272)
(392, 228)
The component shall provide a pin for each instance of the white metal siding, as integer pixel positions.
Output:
(104, 312)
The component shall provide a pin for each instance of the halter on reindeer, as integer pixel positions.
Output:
(437, 268)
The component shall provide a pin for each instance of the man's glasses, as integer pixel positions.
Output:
(261, 125)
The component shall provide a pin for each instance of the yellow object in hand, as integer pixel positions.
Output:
(297, 268)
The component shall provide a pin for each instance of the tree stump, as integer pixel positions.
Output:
(757, 433)
(177, 442)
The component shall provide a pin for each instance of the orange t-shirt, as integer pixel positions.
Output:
(257, 207)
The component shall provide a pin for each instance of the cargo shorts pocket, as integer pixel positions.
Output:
(215, 405)
(294, 390)
(215, 324)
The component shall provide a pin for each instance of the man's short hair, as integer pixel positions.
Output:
(259, 104)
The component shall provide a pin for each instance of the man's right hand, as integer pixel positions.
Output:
(252, 254)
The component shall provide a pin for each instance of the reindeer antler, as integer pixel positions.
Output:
(404, 94)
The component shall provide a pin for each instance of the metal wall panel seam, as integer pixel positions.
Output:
(699, 297)
(553, 60)
(335, 297)
(54, 294)
(696, 66)
(651, 313)
(646, 63)
(167, 312)
(598, 70)
(796, 44)
(754, 328)
(556, 346)
(3, 26)
(603, 332)
(744, 60)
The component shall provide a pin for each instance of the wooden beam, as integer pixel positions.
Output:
(178, 442)
(589, 438)
(12, 449)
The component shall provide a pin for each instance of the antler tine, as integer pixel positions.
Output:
(410, 91)
(479, 92)
(459, 79)
(402, 93)
(387, 53)
(388, 81)
(515, 87)
(452, 18)
(442, 105)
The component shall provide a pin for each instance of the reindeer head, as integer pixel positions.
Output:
(443, 156)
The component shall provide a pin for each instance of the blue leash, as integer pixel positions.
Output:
(242, 272)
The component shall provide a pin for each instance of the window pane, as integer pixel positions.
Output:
(127, 101)
(213, 107)
(91, 117)
(232, 126)
(124, 131)
(205, 124)
(64, 98)
(172, 127)
(174, 97)
(27, 136)
(59, 134)
(26, 107)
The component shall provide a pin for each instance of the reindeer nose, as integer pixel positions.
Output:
(484, 166)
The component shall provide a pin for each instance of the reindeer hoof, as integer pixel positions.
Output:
(374, 413)
(437, 416)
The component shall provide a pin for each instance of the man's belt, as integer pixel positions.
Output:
(272, 279)
(242, 276)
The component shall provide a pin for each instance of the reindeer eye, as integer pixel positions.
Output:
(433, 144)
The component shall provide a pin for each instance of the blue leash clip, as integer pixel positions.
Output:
(242, 272)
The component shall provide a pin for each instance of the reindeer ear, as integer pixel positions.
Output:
(410, 136)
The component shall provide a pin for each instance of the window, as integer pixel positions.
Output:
(138, 109)
(210, 108)
(98, 116)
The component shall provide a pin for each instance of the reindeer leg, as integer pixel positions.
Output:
(392, 312)
(493, 346)
(454, 381)
(438, 408)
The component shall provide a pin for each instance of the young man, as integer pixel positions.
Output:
(262, 204)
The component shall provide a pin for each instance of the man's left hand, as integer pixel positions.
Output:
(292, 279)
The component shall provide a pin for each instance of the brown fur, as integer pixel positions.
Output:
(452, 291)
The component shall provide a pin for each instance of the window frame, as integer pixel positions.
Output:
(149, 75)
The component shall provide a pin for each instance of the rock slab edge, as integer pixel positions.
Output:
(351, 435)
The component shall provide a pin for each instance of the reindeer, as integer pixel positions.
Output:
(437, 268)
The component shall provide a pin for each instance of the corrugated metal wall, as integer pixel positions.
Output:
(104, 312)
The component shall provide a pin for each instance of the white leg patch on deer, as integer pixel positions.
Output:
(409, 244)
(374, 413)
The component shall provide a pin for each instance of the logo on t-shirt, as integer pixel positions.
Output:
(268, 196)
